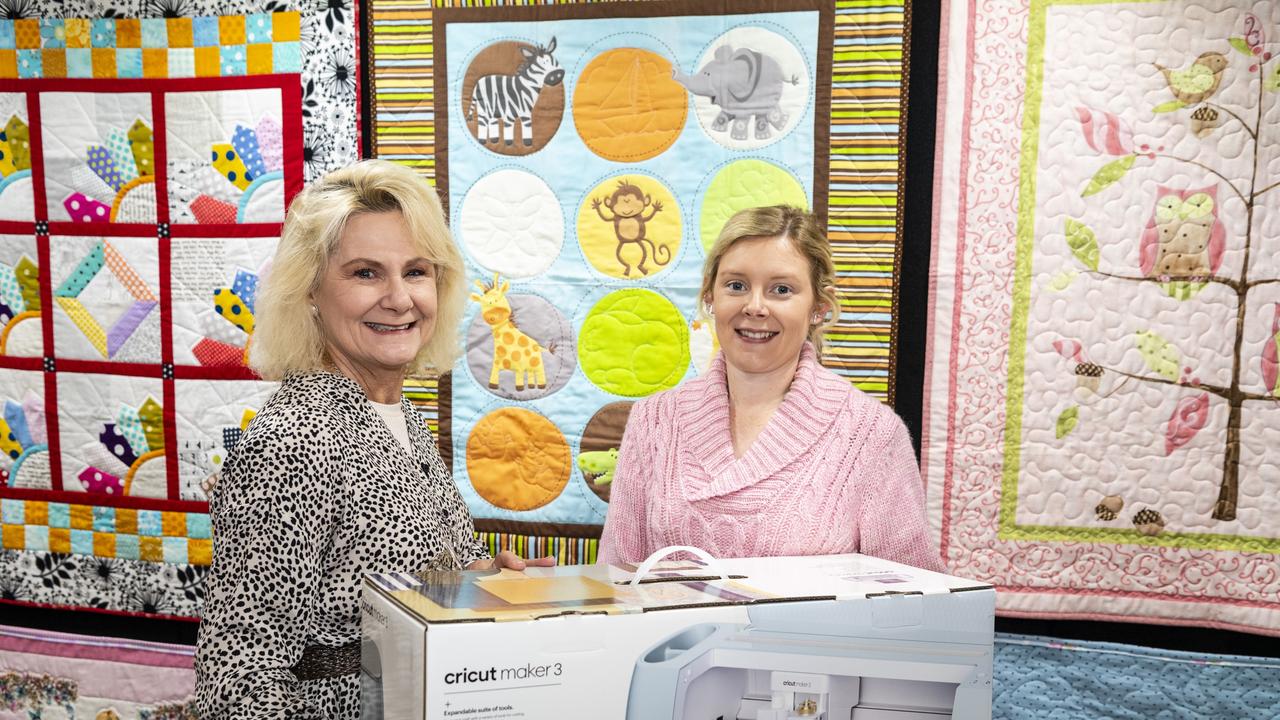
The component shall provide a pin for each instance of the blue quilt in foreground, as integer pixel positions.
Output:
(1052, 679)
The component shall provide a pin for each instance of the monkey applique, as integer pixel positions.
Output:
(628, 204)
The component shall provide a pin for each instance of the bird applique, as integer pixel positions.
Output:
(1198, 82)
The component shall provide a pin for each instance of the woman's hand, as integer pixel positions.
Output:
(508, 559)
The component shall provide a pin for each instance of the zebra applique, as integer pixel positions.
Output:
(500, 100)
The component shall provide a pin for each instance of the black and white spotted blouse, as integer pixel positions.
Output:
(316, 493)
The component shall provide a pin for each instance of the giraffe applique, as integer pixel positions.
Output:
(512, 349)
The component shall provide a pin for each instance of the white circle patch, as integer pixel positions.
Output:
(511, 223)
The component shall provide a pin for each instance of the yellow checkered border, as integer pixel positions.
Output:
(214, 46)
(127, 533)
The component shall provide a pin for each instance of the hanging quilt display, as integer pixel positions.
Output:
(148, 154)
(1102, 395)
(588, 155)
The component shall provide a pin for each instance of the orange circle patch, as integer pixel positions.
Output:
(626, 105)
(517, 459)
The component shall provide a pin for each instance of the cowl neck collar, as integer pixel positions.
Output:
(806, 414)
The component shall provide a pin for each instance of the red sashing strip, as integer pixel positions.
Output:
(95, 499)
(166, 296)
(41, 212)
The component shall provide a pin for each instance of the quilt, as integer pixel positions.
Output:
(1102, 376)
(147, 156)
(58, 675)
(1044, 677)
(585, 198)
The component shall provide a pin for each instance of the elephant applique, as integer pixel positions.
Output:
(744, 84)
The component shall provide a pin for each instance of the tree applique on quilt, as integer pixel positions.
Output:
(1181, 250)
(19, 302)
(121, 462)
(116, 183)
(243, 180)
(107, 340)
(24, 449)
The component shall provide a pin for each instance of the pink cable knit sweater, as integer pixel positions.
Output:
(832, 472)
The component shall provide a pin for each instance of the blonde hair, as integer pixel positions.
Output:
(287, 336)
(806, 236)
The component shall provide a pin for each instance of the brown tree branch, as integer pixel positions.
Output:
(1215, 389)
(1243, 124)
(1266, 189)
(1233, 284)
(1206, 168)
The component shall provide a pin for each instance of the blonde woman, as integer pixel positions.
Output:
(768, 453)
(335, 477)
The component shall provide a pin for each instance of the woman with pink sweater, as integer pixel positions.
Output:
(768, 453)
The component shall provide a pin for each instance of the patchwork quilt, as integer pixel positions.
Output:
(58, 675)
(1101, 405)
(147, 156)
(588, 155)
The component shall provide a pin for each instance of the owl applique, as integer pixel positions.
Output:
(1184, 238)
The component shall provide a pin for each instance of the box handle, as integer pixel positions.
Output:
(712, 564)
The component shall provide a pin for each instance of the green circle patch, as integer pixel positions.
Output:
(634, 343)
(744, 184)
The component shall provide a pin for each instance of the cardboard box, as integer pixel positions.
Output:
(804, 638)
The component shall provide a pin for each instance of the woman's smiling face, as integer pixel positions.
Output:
(764, 302)
(376, 298)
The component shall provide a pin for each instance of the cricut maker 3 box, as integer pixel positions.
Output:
(801, 638)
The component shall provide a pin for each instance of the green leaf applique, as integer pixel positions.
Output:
(1160, 355)
(1083, 244)
(1272, 82)
(1067, 421)
(1108, 174)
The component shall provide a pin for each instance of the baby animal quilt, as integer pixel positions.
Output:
(589, 154)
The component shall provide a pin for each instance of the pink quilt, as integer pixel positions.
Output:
(1102, 437)
(53, 674)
